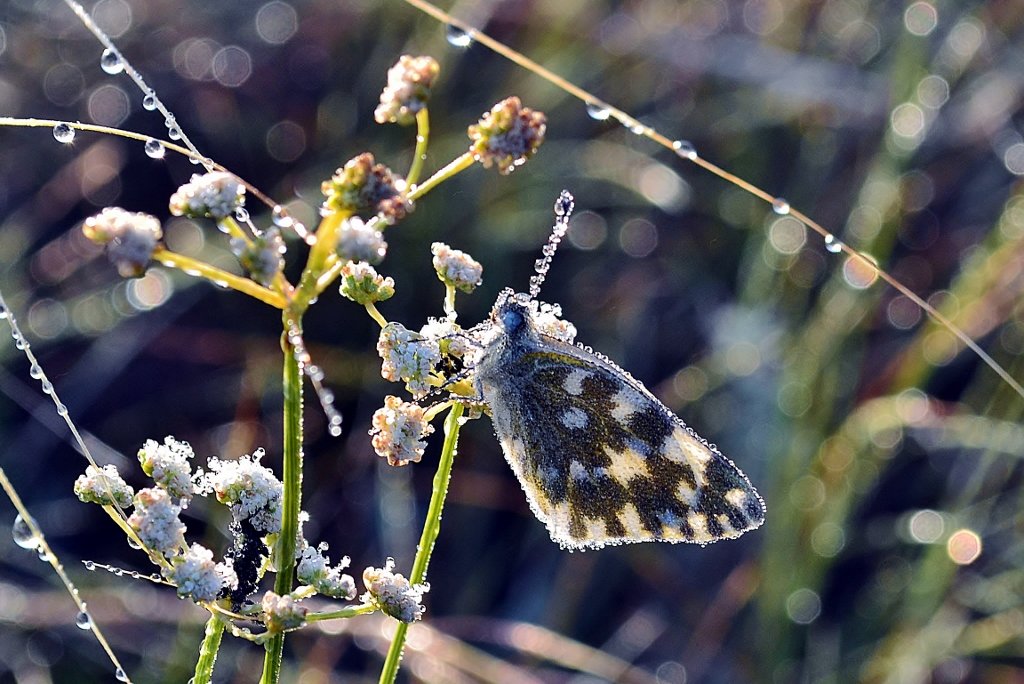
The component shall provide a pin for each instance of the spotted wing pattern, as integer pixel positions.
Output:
(602, 461)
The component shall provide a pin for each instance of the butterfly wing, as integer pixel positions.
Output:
(602, 461)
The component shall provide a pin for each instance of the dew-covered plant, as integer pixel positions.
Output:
(264, 579)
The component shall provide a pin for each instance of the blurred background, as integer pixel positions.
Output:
(889, 458)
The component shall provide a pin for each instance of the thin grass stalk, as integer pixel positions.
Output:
(431, 528)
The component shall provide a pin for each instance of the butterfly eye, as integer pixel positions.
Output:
(512, 320)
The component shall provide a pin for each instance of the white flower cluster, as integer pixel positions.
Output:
(393, 593)
(197, 577)
(399, 431)
(168, 465)
(104, 486)
(281, 613)
(456, 268)
(359, 241)
(156, 521)
(314, 568)
(128, 238)
(216, 194)
(252, 491)
(407, 356)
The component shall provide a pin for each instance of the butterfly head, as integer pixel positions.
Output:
(512, 313)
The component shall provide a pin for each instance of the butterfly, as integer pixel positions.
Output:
(601, 459)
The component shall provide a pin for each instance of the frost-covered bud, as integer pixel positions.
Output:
(168, 465)
(408, 89)
(507, 135)
(252, 491)
(197, 577)
(263, 258)
(281, 613)
(156, 521)
(450, 337)
(359, 241)
(216, 194)
(314, 568)
(129, 238)
(393, 594)
(361, 283)
(362, 185)
(399, 431)
(547, 319)
(103, 486)
(456, 268)
(407, 356)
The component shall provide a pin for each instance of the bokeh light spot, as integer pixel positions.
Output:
(232, 66)
(964, 546)
(638, 238)
(787, 235)
(803, 606)
(109, 105)
(276, 22)
(286, 141)
(926, 526)
(921, 18)
(859, 273)
(587, 230)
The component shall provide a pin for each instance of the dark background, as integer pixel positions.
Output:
(879, 447)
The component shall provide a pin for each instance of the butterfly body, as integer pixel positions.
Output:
(601, 459)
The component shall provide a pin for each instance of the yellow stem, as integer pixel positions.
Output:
(219, 277)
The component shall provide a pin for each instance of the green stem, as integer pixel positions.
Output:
(350, 611)
(291, 505)
(208, 650)
(422, 138)
(376, 315)
(431, 528)
(457, 165)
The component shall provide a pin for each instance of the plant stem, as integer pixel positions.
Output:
(350, 611)
(291, 505)
(208, 650)
(431, 528)
(422, 138)
(457, 165)
(217, 276)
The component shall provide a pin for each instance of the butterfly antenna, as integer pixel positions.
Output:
(563, 210)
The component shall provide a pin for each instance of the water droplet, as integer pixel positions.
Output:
(62, 410)
(111, 62)
(457, 37)
(63, 133)
(780, 206)
(685, 149)
(832, 244)
(334, 430)
(35, 371)
(637, 129)
(47, 387)
(89, 565)
(598, 111)
(241, 214)
(281, 218)
(174, 133)
(149, 102)
(155, 149)
(23, 535)
(194, 159)
(120, 675)
(82, 620)
(133, 544)
(43, 555)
